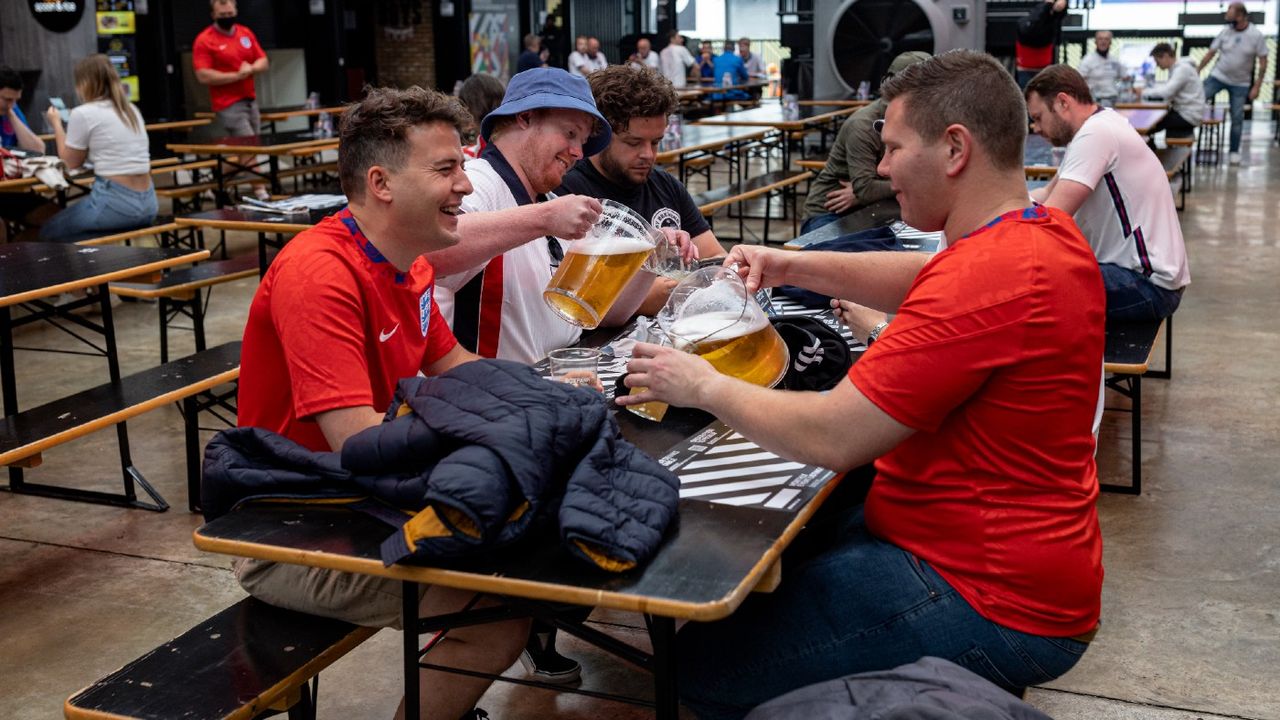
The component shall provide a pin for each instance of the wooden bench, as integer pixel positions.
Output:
(814, 164)
(1127, 359)
(766, 185)
(1176, 160)
(242, 663)
(190, 380)
(181, 292)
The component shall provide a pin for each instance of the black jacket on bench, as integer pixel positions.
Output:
(477, 458)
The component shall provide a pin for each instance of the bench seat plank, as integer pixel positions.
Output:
(712, 200)
(181, 282)
(234, 665)
(35, 430)
(1129, 347)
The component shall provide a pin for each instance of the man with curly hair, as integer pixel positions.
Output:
(636, 102)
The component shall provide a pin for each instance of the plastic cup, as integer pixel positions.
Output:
(579, 367)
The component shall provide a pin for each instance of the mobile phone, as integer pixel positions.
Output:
(62, 109)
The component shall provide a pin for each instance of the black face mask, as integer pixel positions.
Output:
(226, 23)
(1103, 53)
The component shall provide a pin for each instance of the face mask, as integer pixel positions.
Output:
(226, 23)
(1103, 53)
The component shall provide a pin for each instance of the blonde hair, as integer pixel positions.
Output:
(96, 79)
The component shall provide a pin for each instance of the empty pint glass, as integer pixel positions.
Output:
(711, 315)
(596, 268)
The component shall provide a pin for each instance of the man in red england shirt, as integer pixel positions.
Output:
(978, 541)
(344, 312)
(226, 55)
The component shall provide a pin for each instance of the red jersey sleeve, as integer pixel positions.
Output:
(323, 345)
(201, 56)
(440, 339)
(938, 352)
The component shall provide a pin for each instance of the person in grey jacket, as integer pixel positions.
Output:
(848, 183)
(1101, 70)
(1184, 92)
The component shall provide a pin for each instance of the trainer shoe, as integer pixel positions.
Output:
(545, 664)
(1234, 158)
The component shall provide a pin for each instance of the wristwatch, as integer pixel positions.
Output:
(875, 332)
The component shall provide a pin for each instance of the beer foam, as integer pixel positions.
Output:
(716, 326)
(612, 245)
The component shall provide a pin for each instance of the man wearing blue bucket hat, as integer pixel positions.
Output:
(514, 233)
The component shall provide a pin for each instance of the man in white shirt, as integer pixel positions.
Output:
(644, 55)
(579, 64)
(675, 60)
(1102, 71)
(1237, 47)
(755, 66)
(1116, 189)
(1183, 91)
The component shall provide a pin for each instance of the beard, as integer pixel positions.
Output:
(616, 172)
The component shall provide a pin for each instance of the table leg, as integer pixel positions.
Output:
(666, 701)
(9, 382)
(409, 617)
(273, 165)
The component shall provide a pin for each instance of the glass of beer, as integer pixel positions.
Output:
(649, 332)
(596, 268)
(711, 315)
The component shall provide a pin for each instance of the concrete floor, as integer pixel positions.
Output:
(1190, 608)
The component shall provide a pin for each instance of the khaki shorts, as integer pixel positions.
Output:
(241, 119)
(358, 599)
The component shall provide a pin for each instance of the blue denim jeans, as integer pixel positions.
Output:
(855, 604)
(1133, 298)
(110, 207)
(816, 221)
(1239, 94)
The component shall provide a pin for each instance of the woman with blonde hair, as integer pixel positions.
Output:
(106, 130)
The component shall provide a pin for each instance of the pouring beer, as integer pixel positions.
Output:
(710, 314)
(596, 268)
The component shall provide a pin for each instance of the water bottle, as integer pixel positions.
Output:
(675, 128)
(790, 107)
(864, 90)
(726, 80)
(313, 102)
(326, 125)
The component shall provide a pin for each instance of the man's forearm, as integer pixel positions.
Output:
(486, 235)
(879, 280)
(209, 76)
(261, 64)
(796, 425)
(27, 139)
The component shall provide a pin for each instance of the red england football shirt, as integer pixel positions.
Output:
(995, 359)
(334, 325)
(215, 50)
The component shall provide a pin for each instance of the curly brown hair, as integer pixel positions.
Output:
(375, 130)
(623, 92)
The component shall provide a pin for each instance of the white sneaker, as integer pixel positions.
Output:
(1234, 158)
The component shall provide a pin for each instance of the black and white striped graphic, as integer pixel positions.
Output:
(784, 306)
(719, 465)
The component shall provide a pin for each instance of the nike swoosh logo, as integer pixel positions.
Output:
(385, 335)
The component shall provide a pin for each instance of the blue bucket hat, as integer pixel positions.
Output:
(550, 88)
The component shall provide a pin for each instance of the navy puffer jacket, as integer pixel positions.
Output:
(479, 457)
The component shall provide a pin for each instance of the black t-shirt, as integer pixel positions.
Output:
(662, 200)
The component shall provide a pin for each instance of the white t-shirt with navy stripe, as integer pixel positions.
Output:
(528, 329)
(1129, 219)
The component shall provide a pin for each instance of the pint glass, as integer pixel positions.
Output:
(596, 268)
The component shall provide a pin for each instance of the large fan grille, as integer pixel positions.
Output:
(871, 33)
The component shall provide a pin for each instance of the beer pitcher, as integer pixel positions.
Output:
(711, 314)
(596, 268)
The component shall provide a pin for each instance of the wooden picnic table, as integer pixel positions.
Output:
(273, 229)
(698, 140)
(772, 115)
(33, 272)
(1145, 118)
(712, 558)
(273, 145)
